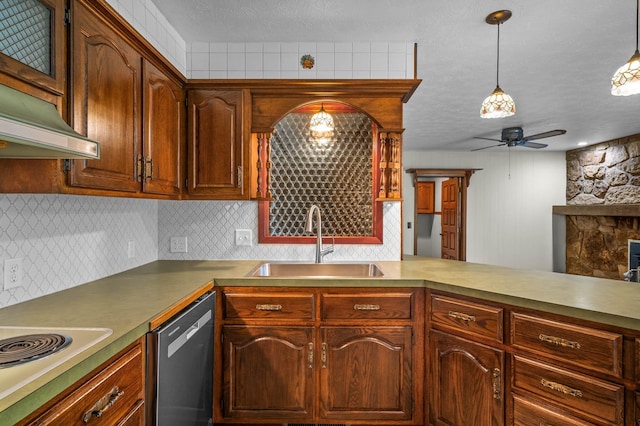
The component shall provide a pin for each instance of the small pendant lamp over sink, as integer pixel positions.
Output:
(498, 104)
(321, 124)
(626, 80)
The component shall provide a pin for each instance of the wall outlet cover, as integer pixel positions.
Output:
(12, 273)
(178, 244)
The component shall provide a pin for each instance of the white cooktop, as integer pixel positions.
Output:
(14, 377)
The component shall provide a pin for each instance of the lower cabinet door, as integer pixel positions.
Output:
(268, 372)
(366, 373)
(465, 383)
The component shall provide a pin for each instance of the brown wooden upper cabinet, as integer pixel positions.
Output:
(110, 78)
(218, 144)
(425, 197)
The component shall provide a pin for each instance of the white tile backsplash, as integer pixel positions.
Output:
(210, 228)
(67, 240)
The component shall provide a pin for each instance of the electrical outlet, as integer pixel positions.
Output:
(178, 244)
(12, 273)
(131, 249)
(243, 237)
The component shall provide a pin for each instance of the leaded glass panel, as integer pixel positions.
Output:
(335, 174)
(25, 33)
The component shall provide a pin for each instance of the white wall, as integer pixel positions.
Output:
(509, 219)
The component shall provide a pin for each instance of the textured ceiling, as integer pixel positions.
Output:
(556, 58)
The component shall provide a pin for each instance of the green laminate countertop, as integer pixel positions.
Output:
(127, 302)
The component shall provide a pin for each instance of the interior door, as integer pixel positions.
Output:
(450, 219)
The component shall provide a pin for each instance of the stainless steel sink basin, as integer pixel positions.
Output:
(324, 270)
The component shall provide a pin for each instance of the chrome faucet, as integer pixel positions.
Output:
(320, 252)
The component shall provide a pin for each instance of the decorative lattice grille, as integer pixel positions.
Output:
(25, 33)
(336, 175)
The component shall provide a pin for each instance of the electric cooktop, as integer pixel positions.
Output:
(27, 353)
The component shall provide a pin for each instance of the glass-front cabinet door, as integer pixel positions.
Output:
(32, 43)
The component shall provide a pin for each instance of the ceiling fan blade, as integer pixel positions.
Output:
(487, 139)
(545, 135)
(486, 147)
(535, 145)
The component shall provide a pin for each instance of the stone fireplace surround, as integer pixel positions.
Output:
(603, 207)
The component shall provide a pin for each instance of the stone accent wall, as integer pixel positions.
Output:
(597, 245)
(607, 173)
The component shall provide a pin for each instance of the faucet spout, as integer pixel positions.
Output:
(320, 252)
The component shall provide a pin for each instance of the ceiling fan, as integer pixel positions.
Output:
(514, 136)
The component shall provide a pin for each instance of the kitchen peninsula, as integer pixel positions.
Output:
(467, 306)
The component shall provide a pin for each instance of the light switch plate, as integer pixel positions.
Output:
(243, 237)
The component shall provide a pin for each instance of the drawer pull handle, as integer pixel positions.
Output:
(267, 307)
(461, 316)
(103, 404)
(310, 356)
(497, 389)
(559, 341)
(358, 307)
(561, 388)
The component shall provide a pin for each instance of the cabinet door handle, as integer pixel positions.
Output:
(497, 388)
(559, 341)
(461, 316)
(364, 307)
(148, 170)
(558, 387)
(239, 175)
(323, 355)
(268, 307)
(103, 404)
(140, 168)
(310, 356)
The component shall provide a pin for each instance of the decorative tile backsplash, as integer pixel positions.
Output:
(67, 240)
(210, 230)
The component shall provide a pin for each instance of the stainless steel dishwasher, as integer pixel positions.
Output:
(180, 367)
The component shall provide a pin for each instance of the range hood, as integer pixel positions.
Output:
(32, 128)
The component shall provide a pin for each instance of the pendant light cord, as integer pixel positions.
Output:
(498, 54)
(637, 19)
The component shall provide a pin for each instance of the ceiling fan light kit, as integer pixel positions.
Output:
(626, 80)
(498, 104)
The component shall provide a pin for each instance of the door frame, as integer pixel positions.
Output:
(464, 175)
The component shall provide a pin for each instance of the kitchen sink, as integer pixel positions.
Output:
(316, 270)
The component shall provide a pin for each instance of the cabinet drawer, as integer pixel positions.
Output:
(583, 346)
(269, 305)
(578, 392)
(367, 306)
(469, 317)
(528, 413)
(106, 398)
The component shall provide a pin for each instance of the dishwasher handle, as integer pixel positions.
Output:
(179, 341)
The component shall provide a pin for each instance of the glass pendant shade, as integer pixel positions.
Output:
(321, 124)
(626, 81)
(497, 105)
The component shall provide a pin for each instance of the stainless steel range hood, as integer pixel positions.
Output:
(32, 128)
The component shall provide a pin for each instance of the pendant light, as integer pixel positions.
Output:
(626, 80)
(321, 124)
(498, 104)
